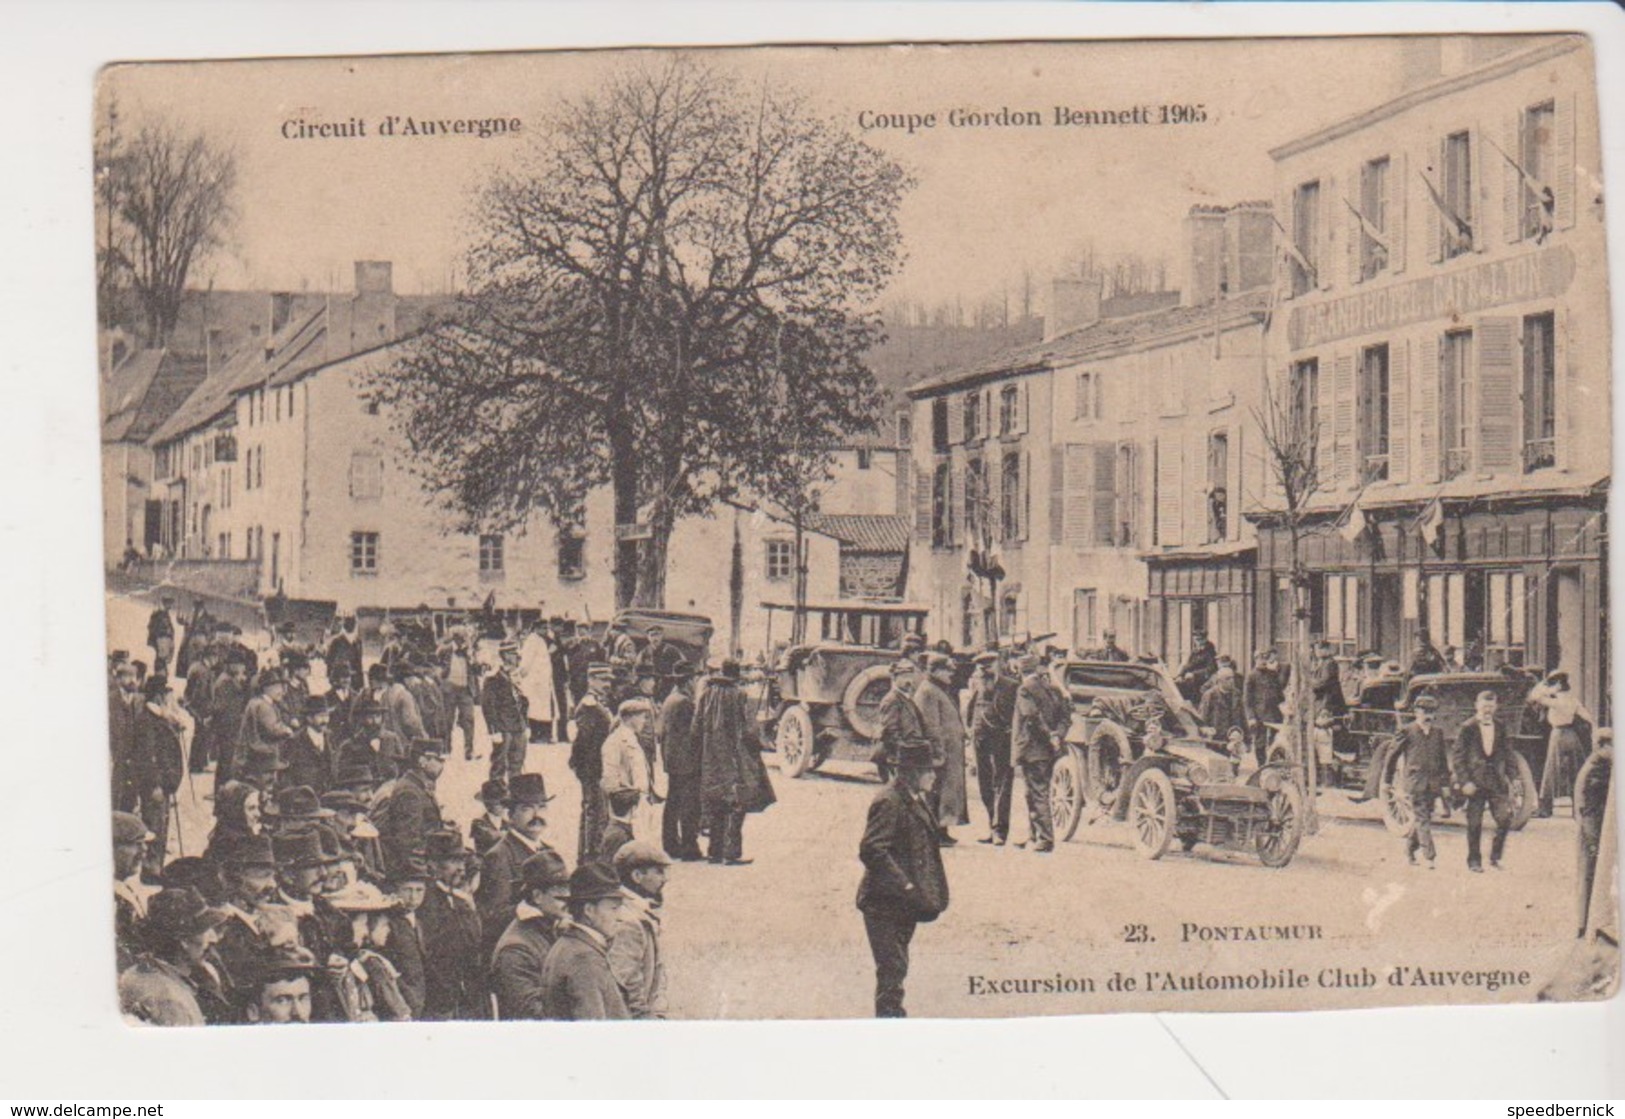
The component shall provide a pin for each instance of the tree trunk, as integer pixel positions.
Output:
(624, 479)
(651, 560)
(798, 628)
(1301, 716)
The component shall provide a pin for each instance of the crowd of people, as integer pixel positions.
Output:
(334, 885)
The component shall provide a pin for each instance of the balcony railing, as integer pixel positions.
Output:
(1538, 454)
(1456, 461)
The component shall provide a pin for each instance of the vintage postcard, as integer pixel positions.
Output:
(805, 532)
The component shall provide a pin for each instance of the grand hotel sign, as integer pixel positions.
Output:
(1537, 275)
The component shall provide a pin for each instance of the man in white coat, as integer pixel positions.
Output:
(535, 680)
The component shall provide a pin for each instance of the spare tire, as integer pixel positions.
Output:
(860, 702)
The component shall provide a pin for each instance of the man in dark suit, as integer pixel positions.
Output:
(1481, 761)
(587, 760)
(1427, 775)
(161, 635)
(992, 714)
(680, 822)
(1042, 714)
(904, 883)
(404, 948)
(411, 814)
(504, 707)
(454, 967)
(539, 917)
(345, 649)
(522, 837)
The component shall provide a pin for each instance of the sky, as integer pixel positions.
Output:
(990, 203)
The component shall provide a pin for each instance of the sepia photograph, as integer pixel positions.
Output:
(973, 530)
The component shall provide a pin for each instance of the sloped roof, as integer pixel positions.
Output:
(144, 390)
(1097, 339)
(864, 532)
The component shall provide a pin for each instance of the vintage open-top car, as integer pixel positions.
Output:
(1135, 752)
(1364, 754)
(822, 696)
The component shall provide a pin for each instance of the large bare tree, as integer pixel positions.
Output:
(678, 257)
(168, 199)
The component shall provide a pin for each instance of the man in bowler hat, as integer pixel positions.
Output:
(577, 982)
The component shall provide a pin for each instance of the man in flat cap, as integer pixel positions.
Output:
(540, 915)
(904, 882)
(901, 723)
(523, 836)
(504, 706)
(635, 955)
(1427, 774)
(992, 713)
(264, 722)
(577, 983)
(130, 839)
(945, 729)
(592, 721)
(626, 767)
(1041, 718)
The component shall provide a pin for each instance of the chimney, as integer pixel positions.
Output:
(374, 277)
(372, 311)
(1074, 303)
(1249, 246)
(1204, 255)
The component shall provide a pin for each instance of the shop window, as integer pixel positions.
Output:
(1504, 601)
(1342, 613)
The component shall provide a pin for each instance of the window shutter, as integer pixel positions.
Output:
(1434, 227)
(922, 504)
(1079, 484)
(1282, 267)
(1026, 507)
(1057, 494)
(1398, 217)
(956, 501)
(1344, 470)
(1568, 418)
(1399, 403)
(1511, 181)
(1480, 159)
(1100, 396)
(1427, 409)
(1102, 531)
(988, 415)
(956, 420)
(994, 506)
(1496, 342)
(1170, 492)
(1326, 265)
(1563, 153)
(1353, 242)
(1021, 409)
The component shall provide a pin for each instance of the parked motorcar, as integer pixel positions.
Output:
(821, 696)
(690, 633)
